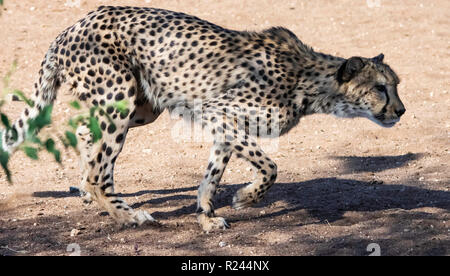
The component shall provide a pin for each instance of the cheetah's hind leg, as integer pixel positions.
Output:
(98, 159)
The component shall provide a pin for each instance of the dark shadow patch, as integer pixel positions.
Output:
(356, 164)
(326, 199)
(54, 194)
(162, 200)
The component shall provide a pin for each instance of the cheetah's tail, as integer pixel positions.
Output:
(44, 95)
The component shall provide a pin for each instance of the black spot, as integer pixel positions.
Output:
(99, 157)
(119, 96)
(111, 128)
(119, 138)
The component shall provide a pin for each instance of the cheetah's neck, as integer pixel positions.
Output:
(317, 87)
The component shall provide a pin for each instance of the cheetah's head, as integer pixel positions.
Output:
(368, 88)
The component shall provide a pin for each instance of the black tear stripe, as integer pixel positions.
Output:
(387, 102)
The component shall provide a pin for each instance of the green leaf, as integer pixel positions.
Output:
(31, 152)
(121, 106)
(71, 138)
(5, 121)
(22, 97)
(50, 146)
(15, 134)
(92, 111)
(75, 104)
(4, 158)
(44, 117)
(57, 155)
(95, 129)
(34, 138)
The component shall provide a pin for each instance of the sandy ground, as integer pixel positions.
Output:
(342, 185)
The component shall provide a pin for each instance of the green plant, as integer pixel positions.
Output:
(36, 141)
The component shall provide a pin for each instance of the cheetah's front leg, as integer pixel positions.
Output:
(219, 157)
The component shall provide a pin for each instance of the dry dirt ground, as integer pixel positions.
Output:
(342, 185)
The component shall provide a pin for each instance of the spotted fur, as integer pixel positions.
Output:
(247, 83)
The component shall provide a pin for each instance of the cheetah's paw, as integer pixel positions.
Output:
(143, 217)
(209, 224)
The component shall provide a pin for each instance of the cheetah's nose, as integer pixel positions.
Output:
(400, 112)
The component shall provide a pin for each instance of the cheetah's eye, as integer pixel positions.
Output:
(381, 88)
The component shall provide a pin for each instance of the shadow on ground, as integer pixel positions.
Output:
(356, 164)
(323, 200)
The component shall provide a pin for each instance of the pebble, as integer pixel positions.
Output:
(222, 244)
(74, 232)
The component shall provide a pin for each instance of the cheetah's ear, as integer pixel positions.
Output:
(349, 69)
(378, 59)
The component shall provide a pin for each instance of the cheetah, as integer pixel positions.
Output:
(250, 85)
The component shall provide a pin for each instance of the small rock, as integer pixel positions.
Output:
(376, 182)
(74, 232)
(222, 244)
